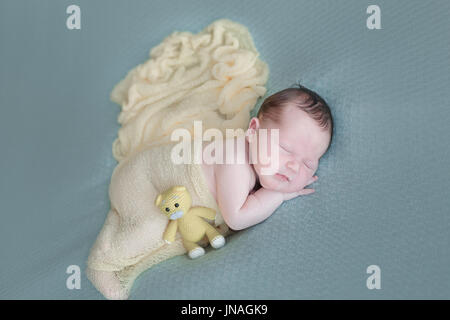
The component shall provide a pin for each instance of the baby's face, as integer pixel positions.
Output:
(301, 145)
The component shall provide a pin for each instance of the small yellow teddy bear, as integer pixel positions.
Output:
(175, 203)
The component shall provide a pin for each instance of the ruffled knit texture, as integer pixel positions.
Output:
(214, 76)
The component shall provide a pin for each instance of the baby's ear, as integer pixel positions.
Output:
(252, 127)
(158, 200)
(254, 124)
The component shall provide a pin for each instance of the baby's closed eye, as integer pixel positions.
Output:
(285, 149)
(310, 165)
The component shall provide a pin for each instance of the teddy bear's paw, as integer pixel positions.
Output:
(218, 242)
(197, 252)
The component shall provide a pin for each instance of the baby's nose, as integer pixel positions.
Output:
(293, 165)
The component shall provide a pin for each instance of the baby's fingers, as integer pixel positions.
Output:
(305, 192)
(313, 179)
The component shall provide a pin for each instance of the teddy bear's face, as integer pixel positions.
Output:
(174, 203)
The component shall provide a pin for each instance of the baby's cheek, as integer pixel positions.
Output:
(271, 159)
(282, 160)
(269, 182)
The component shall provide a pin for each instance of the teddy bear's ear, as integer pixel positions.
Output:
(179, 188)
(158, 200)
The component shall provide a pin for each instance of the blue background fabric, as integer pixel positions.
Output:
(382, 196)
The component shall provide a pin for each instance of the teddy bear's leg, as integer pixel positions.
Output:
(215, 238)
(194, 250)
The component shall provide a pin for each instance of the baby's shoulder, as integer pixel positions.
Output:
(240, 176)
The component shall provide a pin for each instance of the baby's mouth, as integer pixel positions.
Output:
(281, 177)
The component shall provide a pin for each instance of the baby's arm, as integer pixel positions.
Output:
(240, 209)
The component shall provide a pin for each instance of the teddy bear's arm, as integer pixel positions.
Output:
(204, 212)
(171, 230)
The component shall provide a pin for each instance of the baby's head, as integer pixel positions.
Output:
(305, 128)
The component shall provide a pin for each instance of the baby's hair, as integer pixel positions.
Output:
(305, 99)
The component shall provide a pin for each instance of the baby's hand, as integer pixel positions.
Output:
(292, 195)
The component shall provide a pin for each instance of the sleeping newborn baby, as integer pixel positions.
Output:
(243, 193)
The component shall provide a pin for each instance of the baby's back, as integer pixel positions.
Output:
(238, 170)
